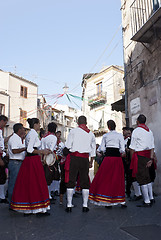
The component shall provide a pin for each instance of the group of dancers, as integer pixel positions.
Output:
(29, 182)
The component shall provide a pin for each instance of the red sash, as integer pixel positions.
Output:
(67, 162)
(134, 160)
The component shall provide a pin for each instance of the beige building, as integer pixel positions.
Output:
(100, 91)
(141, 22)
(18, 99)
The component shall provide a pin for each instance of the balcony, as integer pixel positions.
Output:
(145, 20)
(97, 100)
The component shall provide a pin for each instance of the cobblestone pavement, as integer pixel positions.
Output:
(99, 223)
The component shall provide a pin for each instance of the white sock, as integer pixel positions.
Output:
(2, 196)
(144, 189)
(49, 192)
(150, 191)
(69, 197)
(85, 194)
(136, 189)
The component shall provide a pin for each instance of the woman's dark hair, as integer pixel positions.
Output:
(32, 121)
(111, 125)
(4, 118)
(52, 127)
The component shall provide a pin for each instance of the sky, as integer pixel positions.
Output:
(53, 42)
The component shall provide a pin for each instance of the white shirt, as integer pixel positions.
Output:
(15, 142)
(32, 140)
(113, 139)
(49, 142)
(2, 143)
(1, 140)
(80, 141)
(59, 151)
(142, 140)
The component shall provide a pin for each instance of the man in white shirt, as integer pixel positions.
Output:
(3, 122)
(16, 151)
(81, 144)
(142, 152)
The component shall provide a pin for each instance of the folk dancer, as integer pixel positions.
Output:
(3, 122)
(108, 186)
(142, 152)
(30, 194)
(81, 143)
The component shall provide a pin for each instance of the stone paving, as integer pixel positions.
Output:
(99, 223)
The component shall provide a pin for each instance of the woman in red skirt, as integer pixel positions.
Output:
(30, 193)
(108, 186)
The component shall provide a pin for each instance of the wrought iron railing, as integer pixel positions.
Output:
(97, 98)
(141, 11)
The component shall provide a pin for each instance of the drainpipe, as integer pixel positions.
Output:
(126, 86)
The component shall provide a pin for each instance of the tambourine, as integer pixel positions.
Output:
(50, 159)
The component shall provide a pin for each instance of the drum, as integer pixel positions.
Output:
(50, 159)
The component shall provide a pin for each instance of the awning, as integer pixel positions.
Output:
(119, 106)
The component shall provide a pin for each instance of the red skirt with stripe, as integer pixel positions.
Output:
(31, 192)
(108, 186)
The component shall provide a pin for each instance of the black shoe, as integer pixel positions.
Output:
(144, 205)
(4, 201)
(68, 209)
(85, 209)
(152, 201)
(109, 207)
(41, 214)
(123, 206)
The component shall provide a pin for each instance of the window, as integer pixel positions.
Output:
(2, 109)
(99, 88)
(23, 91)
(23, 117)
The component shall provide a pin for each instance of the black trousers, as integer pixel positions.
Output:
(78, 165)
(143, 175)
(62, 182)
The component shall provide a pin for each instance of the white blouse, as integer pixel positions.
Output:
(32, 141)
(113, 139)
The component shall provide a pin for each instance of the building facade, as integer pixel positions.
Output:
(141, 22)
(100, 90)
(18, 99)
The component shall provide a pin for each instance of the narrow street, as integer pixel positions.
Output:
(99, 223)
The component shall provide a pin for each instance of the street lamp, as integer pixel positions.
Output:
(65, 88)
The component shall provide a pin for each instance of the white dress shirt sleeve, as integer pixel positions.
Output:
(122, 144)
(133, 141)
(31, 143)
(103, 144)
(69, 141)
(93, 146)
